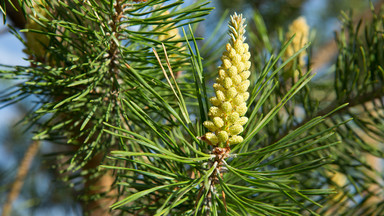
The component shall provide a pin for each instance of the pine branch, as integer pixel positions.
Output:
(138, 132)
(328, 51)
(78, 54)
(352, 102)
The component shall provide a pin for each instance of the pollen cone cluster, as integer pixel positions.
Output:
(300, 29)
(231, 89)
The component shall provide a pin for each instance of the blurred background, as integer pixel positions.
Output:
(41, 194)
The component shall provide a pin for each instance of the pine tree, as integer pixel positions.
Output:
(144, 132)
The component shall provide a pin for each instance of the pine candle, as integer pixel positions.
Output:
(300, 29)
(231, 89)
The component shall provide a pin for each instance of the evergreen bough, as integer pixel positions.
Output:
(135, 134)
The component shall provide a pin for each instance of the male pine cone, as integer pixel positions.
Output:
(231, 88)
(300, 29)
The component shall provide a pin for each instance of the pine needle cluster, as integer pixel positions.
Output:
(139, 139)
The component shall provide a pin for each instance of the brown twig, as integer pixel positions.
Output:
(20, 177)
(104, 184)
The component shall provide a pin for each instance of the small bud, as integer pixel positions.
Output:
(223, 136)
(232, 53)
(231, 93)
(236, 59)
(242, 109)
(220, 95)
(243, 87)
(232, 71)
(242, 121)
(245, 95)
(236, 79)
(233, 117)
(238, 44)
(212, 138)
(240, 66)
(218, 122)
(226, 107)
(245, 74)
(219, 80)
(222, 74)
(246, 56)
(235, 140)
(214, 111)
(227, 83)
(240, 49)
(235, 129)
(218, 87)
(246, 47)
(238, 100)
(210, 126)
(228, 47)
(215, 101)
(247, 65)
(226, 63)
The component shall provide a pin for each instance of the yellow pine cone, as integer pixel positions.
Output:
(229, 104)
(300, 29)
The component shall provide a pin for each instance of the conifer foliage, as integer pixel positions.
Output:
(144, 133)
